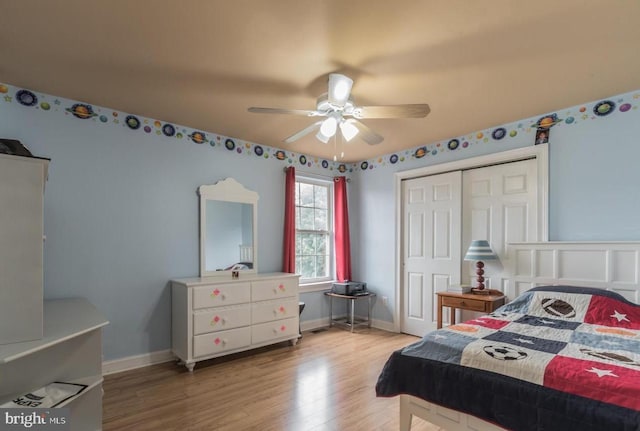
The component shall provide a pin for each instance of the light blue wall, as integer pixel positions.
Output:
(121, 209)
(594, 190)
(121, 214)
(595, 180)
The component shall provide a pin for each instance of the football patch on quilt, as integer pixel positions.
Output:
(610, 357)
(559, 305)
(558, 308)
(604, 355)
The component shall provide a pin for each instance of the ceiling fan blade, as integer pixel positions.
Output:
(392, 111)
(303, 132)
(302, 112)
(366, 134)
(339, 89)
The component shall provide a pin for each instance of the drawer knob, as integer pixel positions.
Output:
(282, 309)
(215, 320)
(217, 341)
(215, 293)
(283, 328)
(281, 287)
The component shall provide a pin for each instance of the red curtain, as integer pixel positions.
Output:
(289, 241)
(343, 244)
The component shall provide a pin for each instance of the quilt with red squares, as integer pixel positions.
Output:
(554, 358)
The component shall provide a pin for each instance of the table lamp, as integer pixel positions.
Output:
(480, 250)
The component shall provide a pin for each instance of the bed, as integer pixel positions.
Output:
(555, 358)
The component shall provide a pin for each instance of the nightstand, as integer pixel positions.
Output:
(483, 303)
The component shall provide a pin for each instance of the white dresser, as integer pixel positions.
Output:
(216, 316)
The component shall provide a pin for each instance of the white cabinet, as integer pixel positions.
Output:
(69, 351)
(214, 317)
(22, 182)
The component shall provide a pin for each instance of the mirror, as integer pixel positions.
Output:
(228, 229)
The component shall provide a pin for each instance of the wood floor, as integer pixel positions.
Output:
(326, 382)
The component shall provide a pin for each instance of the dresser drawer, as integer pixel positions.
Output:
(221, 318)
(467, 304)
(267, 311)
(275, 288)
(221, 294)
(218, 342)
(264, 332)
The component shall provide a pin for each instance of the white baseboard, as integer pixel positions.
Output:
(137, 361)
(310, 325)
(146, 359)
(384, 325)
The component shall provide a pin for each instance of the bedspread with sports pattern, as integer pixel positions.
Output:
(555, 358)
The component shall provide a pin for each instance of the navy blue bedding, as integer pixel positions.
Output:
(555, 358)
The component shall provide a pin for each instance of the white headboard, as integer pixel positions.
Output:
(613, 266)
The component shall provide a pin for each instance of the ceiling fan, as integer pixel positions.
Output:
(340, 111)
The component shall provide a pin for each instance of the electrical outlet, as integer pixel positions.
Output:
(385, 300)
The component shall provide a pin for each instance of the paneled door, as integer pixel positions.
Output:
(441, 215)
(499, 204)
(431, 252)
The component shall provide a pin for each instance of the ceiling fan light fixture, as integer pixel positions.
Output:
(322, 138)
(339, 89)
(328, 127)
(348, 129)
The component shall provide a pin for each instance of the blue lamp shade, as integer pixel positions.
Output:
(480, 250)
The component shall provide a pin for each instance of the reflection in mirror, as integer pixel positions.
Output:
(229, 236)
(228, 233)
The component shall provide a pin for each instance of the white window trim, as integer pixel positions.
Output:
(318, 284)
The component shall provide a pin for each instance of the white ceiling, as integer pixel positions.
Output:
(202, 63)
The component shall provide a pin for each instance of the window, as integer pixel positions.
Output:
(314, 230)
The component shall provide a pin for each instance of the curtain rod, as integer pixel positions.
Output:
(312, 174)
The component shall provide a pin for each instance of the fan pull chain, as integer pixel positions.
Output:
(335, 147)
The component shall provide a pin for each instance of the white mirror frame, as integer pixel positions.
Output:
(227, 190)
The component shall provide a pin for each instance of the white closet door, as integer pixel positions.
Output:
(431, 246)
(499, 204)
